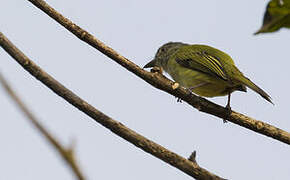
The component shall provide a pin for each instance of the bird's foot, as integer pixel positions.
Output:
(189, 91)
(179, 100)
(229, 111)
(157, 69)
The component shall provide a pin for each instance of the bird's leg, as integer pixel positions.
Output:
(192, 88)
(228, 107)
(196, 86)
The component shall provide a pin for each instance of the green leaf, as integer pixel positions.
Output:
(277, 15)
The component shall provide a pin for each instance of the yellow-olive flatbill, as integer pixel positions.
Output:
(202, 69)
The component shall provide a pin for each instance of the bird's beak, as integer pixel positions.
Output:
(150, 64)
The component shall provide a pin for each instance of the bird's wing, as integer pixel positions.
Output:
(201, 61)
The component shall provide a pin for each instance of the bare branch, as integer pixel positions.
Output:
(66, 153)
(188, 167)
(161, 82)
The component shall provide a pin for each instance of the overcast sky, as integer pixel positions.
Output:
(136, 29)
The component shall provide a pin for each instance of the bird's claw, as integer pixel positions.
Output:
(179, 100)
(229, 111)
(157, 69)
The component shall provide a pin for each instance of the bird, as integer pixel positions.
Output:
(203, 70)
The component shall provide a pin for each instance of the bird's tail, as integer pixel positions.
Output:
(247, 82)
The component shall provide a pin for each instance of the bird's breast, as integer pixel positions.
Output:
(201, 84)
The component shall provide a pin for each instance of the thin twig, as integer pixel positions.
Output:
(165, 84)
(66, 153)
(192, 157)
(188, 167)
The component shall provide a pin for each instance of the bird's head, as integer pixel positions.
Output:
(163, 54)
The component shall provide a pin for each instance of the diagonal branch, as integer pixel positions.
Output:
(163, 83)
(66, 153)
(187, 166)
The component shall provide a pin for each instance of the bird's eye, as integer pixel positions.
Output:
(161, 51)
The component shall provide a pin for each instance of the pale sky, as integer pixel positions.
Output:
(136, 29)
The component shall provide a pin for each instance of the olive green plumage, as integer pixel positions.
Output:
(204, 70)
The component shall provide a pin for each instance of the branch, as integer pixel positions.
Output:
(66, 153)
(165, 84)
(188, 167)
